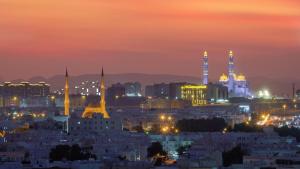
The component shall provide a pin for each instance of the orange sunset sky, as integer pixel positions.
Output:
(42, 37)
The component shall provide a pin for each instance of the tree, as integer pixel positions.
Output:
(201, 125)
(286, 131)
(156, 149)
(59, 153)
(70, 153)
(234, 156)
(243, 127)
(122, 158)
(75, 153)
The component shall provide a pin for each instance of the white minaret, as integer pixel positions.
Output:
(205, 69)
(231, 71)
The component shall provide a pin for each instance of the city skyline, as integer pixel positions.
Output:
(149, 84)
(133, 36)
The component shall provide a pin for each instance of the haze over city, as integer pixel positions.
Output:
(155, 37)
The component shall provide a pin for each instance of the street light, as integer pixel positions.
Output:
(162, 117)
(284, 108)
(165, 129)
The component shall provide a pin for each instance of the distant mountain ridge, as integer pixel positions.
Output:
(277, 86)
(57, 81)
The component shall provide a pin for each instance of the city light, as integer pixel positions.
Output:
(265, 94)
(264, 120)
(284, 106)
(166, 102)
(2, 134)
(165, 129)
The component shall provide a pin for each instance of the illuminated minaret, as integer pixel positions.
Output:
(89, 111)
(231, 71)
(102, 100)
(205, 69)
(67, 98)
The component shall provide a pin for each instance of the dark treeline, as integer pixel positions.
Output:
(156, 149)
(286, 131)
(234, 156)
(157, 153)
(243, 127)
(201, 125)
(70, 153)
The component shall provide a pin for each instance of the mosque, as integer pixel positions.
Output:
(93, 118)
(236, 83)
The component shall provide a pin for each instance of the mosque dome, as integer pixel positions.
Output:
(223, 78)
(241, 77)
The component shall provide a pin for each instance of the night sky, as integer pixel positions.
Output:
(42, 37)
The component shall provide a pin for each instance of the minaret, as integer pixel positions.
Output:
(102, 100)
(67, 98)
(205, 69)
(231, 71)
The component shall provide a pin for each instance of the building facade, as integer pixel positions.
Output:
(196, 94)
(133, 89)
(175, 90)
(24, 89)
(217, 93)
(159, 90)
(95, 124)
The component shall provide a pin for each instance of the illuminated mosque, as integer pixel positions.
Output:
(94, 117)
(89, 110)
(236, 83)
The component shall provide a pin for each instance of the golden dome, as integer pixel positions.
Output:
(223, 78)
(205, 54)
(241, 77)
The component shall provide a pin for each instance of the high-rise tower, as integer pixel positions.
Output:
(231, 71)
(205, 69)
(67, 98)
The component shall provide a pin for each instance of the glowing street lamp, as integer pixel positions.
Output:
(284, 109)
(165, 129)
(284, 106)
(162, 117)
